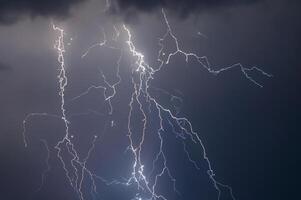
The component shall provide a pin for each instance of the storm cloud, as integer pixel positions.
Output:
(12, 10)
(182, 7)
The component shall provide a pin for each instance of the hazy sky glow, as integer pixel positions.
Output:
(250, 133)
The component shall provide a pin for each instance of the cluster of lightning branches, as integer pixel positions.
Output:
(142, 74)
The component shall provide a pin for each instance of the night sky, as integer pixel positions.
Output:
(251, 133)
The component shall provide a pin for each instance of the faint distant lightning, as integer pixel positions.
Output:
(117, 33)
(114, 85)
(202, 35)
(107, 6)
(172, 98)
(30, 116)
(85, 170)
(100, 44)
(44, 173)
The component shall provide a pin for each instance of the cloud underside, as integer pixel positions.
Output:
(13, 10)
(181, 7)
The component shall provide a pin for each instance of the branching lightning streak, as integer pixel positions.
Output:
(77, 180)
(146, 73)
(203, 60)
(141, 76)
(76, 174)
(63, 82)
(140, 88)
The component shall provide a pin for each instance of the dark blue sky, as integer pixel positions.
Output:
(251, 134)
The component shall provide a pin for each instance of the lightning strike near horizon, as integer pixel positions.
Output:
(144, 178)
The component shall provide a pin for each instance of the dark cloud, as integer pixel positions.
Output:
(12, 10)
(181, 7)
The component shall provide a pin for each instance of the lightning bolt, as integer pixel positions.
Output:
(141, 90)
(78, 170)
(63, 82)
(146, 182)
(76, 181)
(203, 60)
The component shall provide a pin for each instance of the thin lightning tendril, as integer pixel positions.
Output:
(47, 169)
